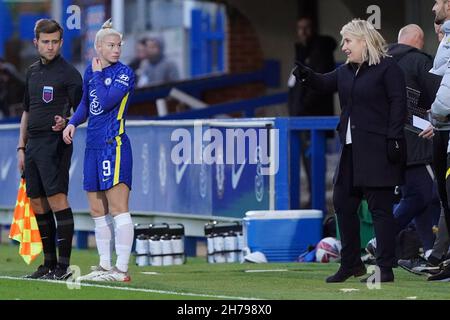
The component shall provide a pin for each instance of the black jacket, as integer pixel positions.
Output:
(375, 100)
(416, 65)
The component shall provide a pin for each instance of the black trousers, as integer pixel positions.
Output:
(440, 143)
(346, 200)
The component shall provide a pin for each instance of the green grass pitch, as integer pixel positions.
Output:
(200, 280)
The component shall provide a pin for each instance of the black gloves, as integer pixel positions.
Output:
(396, 150)
(301, 72)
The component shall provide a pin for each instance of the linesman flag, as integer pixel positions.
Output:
(24, 226)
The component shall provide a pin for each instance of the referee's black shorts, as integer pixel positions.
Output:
(47, 164)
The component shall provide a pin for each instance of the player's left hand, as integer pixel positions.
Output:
(96, 64)
(60, 123)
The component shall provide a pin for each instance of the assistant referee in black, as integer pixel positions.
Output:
(53, 87)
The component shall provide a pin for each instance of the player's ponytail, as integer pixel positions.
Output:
(106, 30)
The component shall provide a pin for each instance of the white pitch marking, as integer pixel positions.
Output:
(134, 289)
(268, 270)
(150, 272)
(348, 290)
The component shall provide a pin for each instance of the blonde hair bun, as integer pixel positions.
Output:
(106, 30)
(108, 24)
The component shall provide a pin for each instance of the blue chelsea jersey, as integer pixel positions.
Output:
(106, 98)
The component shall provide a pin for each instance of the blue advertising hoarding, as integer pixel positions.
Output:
(159, 184)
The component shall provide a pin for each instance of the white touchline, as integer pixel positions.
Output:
(135, 289)
(268, 270)
(150, 272)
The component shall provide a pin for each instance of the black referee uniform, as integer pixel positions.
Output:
(51, 89)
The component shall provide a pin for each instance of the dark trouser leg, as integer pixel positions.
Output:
(447, 188)
(442, 241)
(416, 204)
(440, 143)
(435, 206)
(381, 202)
(416, 194)
(346, 200)
(424, 226)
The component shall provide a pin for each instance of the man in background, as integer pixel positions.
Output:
(12, 85)
(156, 68)
(419, 201)
(317, 52)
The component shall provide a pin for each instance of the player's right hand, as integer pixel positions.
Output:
(68, 133)
(96, 64)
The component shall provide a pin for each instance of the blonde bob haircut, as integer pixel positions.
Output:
(106, 30)
(375, 48)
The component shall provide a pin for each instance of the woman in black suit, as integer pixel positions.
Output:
(372, 94)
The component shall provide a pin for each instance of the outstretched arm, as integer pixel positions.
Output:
(324, 83)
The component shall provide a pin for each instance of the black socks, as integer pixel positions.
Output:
(64, 219)
(47, 229)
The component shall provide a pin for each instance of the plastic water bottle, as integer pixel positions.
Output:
(240, 247)
(210, 248)
(231, 245)
(178, 250)
(219, 247)
(142, 251)
(155, 251)
(166, 244)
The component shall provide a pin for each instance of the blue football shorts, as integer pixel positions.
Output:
(105, 168)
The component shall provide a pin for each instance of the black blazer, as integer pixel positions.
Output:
(375, 100)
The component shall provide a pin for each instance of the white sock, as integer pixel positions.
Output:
(124, 240)
(104, 237)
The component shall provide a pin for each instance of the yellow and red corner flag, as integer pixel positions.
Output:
(24, 226)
